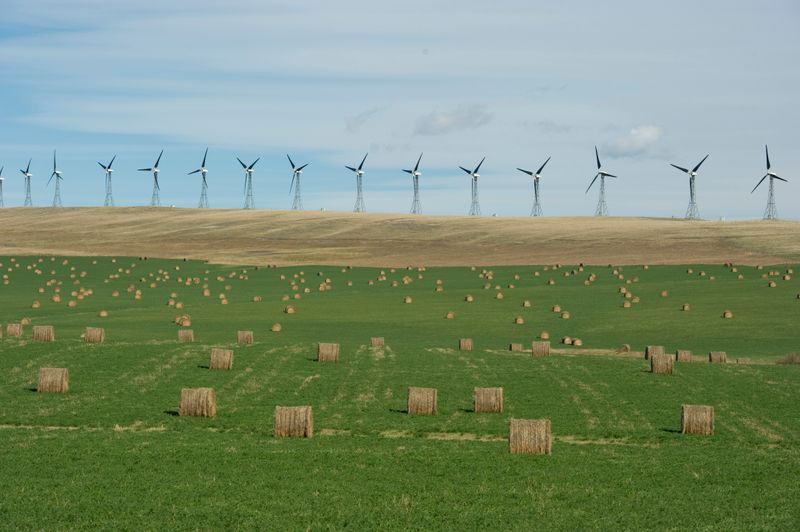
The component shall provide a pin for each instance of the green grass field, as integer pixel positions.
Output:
(112, 453)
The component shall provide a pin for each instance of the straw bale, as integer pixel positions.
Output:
(94, 335)
(198, 402)
(221, 358)
(376, 341)
(540, 348)
(488, 399)
(566, 340)
(660, 363)
(683, 355)
(407, 299)
(327, 352)
(36, 304)
(626, 304)
(653, 350)
(686, 307)
(544, 335)
(717, 357)
(530, 436)
(697, 419)
(276, 327)
(465, 344)
(469, 298)
(498, 295)
(514, 347)
(421, 400)
(526, 304)
(293, 422)
(53, 380)
(565, 315)
(727, 314)
(14, 329)
(43, 333)
(450, 315)
(244, 337)
(289, 310)
(185, 335)
(556, 308)
(577, 342)
(519, 320)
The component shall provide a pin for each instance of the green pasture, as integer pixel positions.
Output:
(112, 453)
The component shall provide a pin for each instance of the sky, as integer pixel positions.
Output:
(648, 83)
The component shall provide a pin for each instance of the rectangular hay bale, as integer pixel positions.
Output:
(293, 422)
(185, 335)
(244, 337)
(422, 400)
(515, 347)
(376, 341)
(488, 399)
(221, 358)
(94, 335)
(465, 344)
(53, 380)
(717, 357)
(697, 419)
(43, 333)
(683, 355)
(530, 436)
(540, 348)
(198, 402)
(327, 352)
(661, 364)
(651, 350)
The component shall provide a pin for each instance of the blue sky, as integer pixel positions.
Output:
(516, 81)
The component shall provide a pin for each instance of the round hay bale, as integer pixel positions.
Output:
(72, 303)
(544, 335)
(624, 348)
(14, 329)
(577, 342)
(683, 355)
(661, 364)
(244, 337)
(772, 284)
(697, 419)
(179, 305)
(551, 282)
(529, 436)
(220, 358)
(515, 347)
(686, 307)
(566, 340)
(450, 315)
(349, 283)
(407, 300)
(717, 357)
(465, 344)
(289, 309)
(469, 298)
(727, 314)
(439, 289)
(35, 304)
(526, 304)
(327, 352)
(565, 315)
(297, 296)
(276, 327)
(689, 270)
(651, 350)
(488, 400)
(377, 341)
(787, 277)
(53, 380)
(498, 295)
(56, 298)
(665, 293)
(293, 422)
(43, 333)
(40, 290)
(198, 402)
(223, 301)
(103, 314)
(94, 335)
(626, 304)
(556, 308)
(422, 400)
(185, 335)
(635, 299)
(628, 295)
(519, 320)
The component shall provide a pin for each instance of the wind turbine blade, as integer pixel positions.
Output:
(291, 185)
(592, 183)
(408, 171)
(54, 160)
(28, 169)
(112, 160)
(681, 168)
(766, 149)
(22, 172)
(610, 175)
(759, 183)
(525, 171)
(102, 165)
(299, 169)
(145, 169)
(204, 158)
(696, 168)
(48, 181)
(193, 172)
(350, 168)
(159, 159)
(597, 156)
(479, 166)
(254, 163)
(155, 177)
(416, 167)
(467, 171)
(1, 169)
(290, 161)
(539, 171)
(360, 166)
(240, 162)
(782, 179)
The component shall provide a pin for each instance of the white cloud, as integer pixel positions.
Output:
(461, 118)
(353, 123)
(638, 141)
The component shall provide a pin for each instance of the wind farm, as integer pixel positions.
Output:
(558, 346)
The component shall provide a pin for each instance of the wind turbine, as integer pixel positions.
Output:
(27, 173)
(1, 186)
(536, 210)
(109, 202)
(204, 186)
(475, 207)
(154, 200)
(601, 202)
(359, 206)
(57, 174)
(415, 173)
(248, 184)
(692, 212)
(770, 213)
(297, 202)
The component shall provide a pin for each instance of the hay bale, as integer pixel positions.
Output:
(221, 358)
(244, 337)
(469, 298)
(465, 344)
(683, 355)
(94, 335)
(566, 340)
(665, 293)
(661, 363)
(289, 310)
(53, 380)
(257, 299)
(519, 320)
(565, 315)
(697, 419)
(556, 308)
(540, 348)
(276, 327)
(515, 347)
(498, 295)
(25, 321)
(577, 342)
(198, 402)
(772, 284)
(43, 333)
(103, 314)
(686, 307)
(14, 329)
(293, 422)
(450, 315)
(651, 350)
(421, 400)
(717, 357)
(327, 352)
(626, 304)
(35, 304)
(544, 335)
(526, 304)
(727, 314)
(529, 436)
(488, 399)
(377, 341)
(407, 300)
(624, 348)
(185, 335)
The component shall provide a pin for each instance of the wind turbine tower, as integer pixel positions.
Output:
(771, 212)
(536, 210)
(248, 184)
(57, 174)
(109, 202)
(692, 212)
(204, 185)
(297, 201)
(155, 201)
(475, 206)
(359, 206)
(601, 210)
(415, 173)
(27, 173)
(1, 186)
